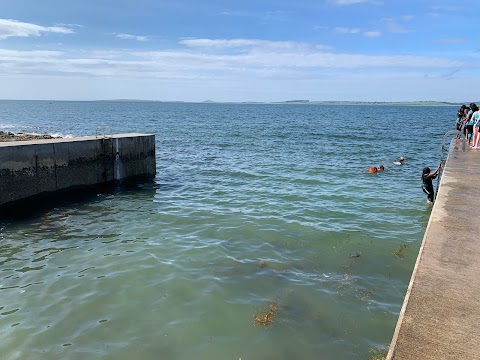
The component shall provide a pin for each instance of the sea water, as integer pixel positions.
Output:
(256, 210)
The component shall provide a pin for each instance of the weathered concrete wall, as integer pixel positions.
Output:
(133, 156)
(29, 168)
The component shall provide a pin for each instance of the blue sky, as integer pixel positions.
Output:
(222, 50)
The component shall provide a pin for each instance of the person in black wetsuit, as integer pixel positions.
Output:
(427, 178)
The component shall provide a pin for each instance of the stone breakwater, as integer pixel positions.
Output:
(9, 136)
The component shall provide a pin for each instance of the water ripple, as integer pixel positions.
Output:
(252, 205)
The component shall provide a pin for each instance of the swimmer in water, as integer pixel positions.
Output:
(400, 161)
(374, 169)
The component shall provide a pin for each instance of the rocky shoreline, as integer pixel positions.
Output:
(9, 136)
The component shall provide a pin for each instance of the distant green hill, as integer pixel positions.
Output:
(405, 103)
(310, 102)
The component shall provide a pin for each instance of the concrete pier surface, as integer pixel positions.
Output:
(440, 317)
(35, 167)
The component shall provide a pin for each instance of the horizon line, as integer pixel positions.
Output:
(294, 101)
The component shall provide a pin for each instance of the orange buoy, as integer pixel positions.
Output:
(373, 169)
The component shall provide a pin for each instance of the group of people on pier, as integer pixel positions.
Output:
(468, 122)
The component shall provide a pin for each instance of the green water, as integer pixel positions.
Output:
(252, 205)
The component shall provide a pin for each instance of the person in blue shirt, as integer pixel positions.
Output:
(469, 123)
(476, 127)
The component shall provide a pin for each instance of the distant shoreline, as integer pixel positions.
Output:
(288, 102)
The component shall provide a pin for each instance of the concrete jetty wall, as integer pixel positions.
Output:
(440, 316)
(29, 168)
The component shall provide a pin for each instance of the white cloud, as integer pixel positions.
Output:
(372, 34)
(132, 37)
(268, 16)
(14, 28)
(70, 25)
(280, 46)
(202, 69)
(407, 17)
(11, 54)
(252, 58)
(448, 8)
(344, 30)
(451, 41)
(353, 2)
(276, 15)
(438, 11)
(394, 26)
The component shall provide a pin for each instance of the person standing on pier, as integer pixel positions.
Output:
(469, 124)
(476, 129)
(460, 119)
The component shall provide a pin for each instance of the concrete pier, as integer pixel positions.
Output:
(31, 168)
(440, 317)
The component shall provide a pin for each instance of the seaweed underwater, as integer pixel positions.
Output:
(266, 315)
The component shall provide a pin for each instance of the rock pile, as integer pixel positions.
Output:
(9, 136)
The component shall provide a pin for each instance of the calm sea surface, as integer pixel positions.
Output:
(254, 208)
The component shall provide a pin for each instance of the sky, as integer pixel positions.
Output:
(249, 50)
